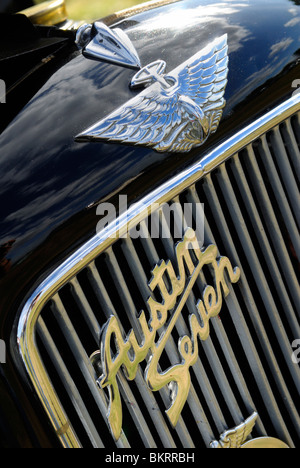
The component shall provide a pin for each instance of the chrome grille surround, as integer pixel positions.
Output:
(259, 351)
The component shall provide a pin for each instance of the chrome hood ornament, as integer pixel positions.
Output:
(99, 42)
(176, 112)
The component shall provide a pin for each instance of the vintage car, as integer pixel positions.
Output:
(149, 242)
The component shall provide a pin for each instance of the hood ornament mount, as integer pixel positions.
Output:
(176, 112)
(99, 42)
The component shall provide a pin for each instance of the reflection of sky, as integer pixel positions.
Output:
(261, 35)
(200, 25)
(46, 177)
(272, 48)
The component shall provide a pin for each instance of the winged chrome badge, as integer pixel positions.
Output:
(177, 111)
(235, 438)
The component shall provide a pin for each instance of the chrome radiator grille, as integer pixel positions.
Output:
(251, 205)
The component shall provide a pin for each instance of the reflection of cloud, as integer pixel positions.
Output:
(293, 11)
(46, 114)
(280, 46)
(201, 14)
(45, 176)
(292, 22)
(202, 22)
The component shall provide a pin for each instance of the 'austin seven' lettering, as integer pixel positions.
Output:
(130, 353)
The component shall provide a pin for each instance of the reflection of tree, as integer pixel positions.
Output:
(296, 2)
(5, 262)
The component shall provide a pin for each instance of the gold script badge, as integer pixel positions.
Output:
(130, 353)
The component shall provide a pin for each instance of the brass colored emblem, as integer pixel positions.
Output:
(163, 317)
(237, 437)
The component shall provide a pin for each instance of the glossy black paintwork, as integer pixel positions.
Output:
(12, 6)
(50, 185)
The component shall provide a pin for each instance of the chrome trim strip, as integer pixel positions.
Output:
(100, 242)
(135, 10)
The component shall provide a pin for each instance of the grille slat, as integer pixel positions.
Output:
(149, 400)
(250, 349)
(226, 347)
(292, 146)
(297, 128)
(245, 365)
(208, 346)
(285, 171)
(264, 243)
(257, 272)
(253, 313)
(132, 313)
(109, 310)
(69, 384)
(275, 234)
(199, 370)
(82, 359)
(171, 348)
(290, 223)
